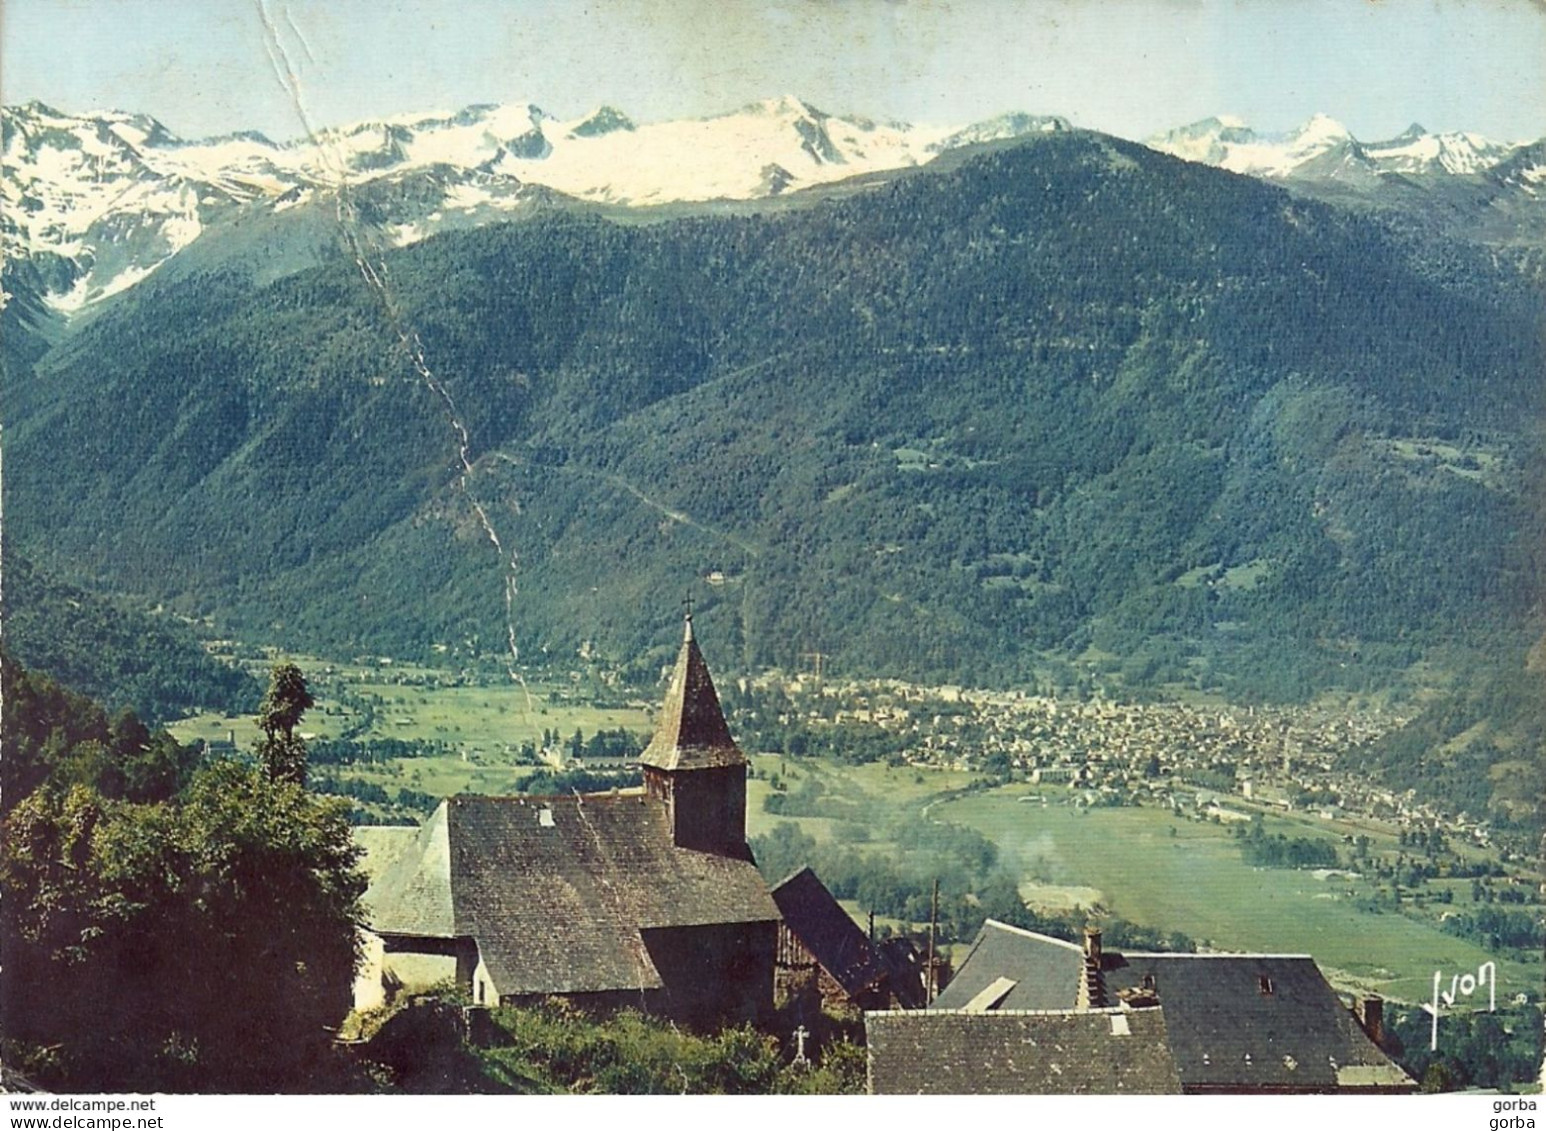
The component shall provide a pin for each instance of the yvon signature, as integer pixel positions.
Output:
(1461, 985)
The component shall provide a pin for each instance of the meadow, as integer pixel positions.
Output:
(490, 718)
(1166, 872)
(880, 793)
(1175, 874)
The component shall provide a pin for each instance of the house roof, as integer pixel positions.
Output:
(691, 733)
(382, 845)
(1235, 1022)
(1251, 1021)
(1044, 971)
(412, 896)
(1063, 1052)
(557, 892)
(819, 921)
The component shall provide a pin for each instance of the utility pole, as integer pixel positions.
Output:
(932, 974)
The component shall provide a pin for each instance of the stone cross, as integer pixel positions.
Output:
(799, 1044)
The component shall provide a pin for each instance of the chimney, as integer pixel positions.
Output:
(1092, 945)
(1092, 982)
(1370, 1011)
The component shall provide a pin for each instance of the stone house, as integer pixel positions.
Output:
(1020, 1052)
(826, 961)
(1233, 1023)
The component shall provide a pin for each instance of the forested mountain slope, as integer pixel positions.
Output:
(120, 657)
(1064, 392)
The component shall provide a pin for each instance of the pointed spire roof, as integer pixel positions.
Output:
(691, 734)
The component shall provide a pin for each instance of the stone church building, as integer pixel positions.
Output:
(645, 897)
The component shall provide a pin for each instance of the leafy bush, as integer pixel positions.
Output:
(564, 1049)
(135, 933)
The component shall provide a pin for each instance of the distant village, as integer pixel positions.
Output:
(1202, 760)
(1219, 761)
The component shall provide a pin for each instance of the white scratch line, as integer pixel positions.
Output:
(301, 39)
(375, 276)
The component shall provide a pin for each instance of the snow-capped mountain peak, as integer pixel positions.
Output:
(113, 195)
(1321, 129)
(1001, 128)
(1323, 147)
(602, 120)
(97, 202)
(1417, 151)
(1524, 170)
(784, 106)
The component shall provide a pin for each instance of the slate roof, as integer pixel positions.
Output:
(413, 895)
(691, 733)
(557, 891)
(383, 844)
(1045, 971)
(819, 921)
(1066, 1052)
(1225, 1033)
(1228, 1032)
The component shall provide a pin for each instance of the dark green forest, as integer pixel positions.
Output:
(119, 656)
(1062, 398)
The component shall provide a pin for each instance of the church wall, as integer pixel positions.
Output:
(369, 989)
(396, 965)
(721, 973)
(415, 973)
(483, 991)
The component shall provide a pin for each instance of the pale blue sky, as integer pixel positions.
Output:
(1130, 67)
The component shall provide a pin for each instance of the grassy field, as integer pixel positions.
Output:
(1195, 881)
(214, 727)
(444, 776)
(487, 720)
(884, 792)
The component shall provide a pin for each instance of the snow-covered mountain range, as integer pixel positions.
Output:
(1323, 147)
(92, 204)
(97, 202)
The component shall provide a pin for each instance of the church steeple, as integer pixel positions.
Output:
(693, 764)
(692, 733)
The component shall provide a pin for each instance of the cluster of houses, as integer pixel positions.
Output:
(1304, 758)
(650, 898)
(1028, 1014)
(1043, 728)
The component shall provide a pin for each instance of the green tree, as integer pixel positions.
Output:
(49, 733)
(203, 944)
(282, 751)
